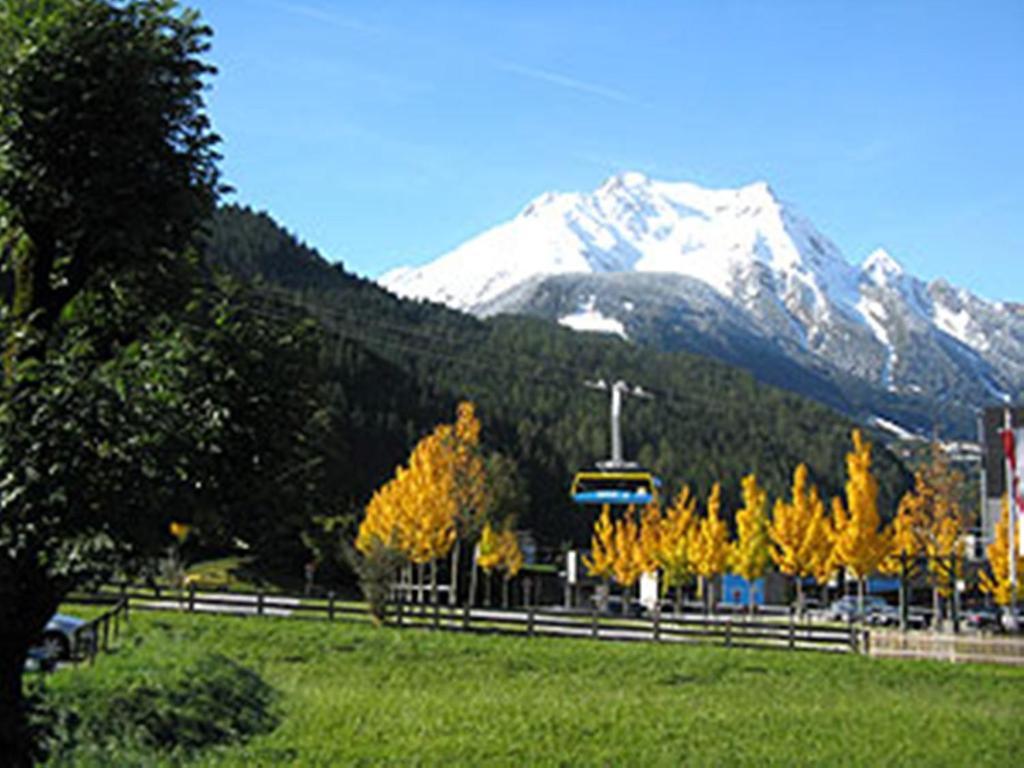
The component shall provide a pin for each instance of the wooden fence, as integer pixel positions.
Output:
(993, 649)
(729, 631)
(99, 634)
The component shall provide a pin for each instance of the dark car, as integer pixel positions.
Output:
(983, 618)
(64, 637)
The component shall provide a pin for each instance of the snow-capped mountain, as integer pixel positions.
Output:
(741, 275)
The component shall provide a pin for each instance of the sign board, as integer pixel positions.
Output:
(649, 590)
(572, 566)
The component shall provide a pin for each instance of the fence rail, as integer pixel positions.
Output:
(947, 647)
(729, 631)
(101, 632)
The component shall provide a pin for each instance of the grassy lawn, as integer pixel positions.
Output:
(352, 695)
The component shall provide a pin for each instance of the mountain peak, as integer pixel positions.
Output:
(881, 268)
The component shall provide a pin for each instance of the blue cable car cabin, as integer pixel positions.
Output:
(615, 487)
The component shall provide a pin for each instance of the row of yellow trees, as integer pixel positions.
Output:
(800, 536)
(434, 505)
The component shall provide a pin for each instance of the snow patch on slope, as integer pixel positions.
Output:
(589, 319)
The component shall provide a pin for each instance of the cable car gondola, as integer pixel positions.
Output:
(616, 482)
(620, 486)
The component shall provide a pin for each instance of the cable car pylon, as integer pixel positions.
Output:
(616, 481)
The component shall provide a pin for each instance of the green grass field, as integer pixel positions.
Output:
(352, 695)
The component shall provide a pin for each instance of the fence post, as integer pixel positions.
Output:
(398, 608)
(728, 632)
(529, 620)
(437, 613)
(656, 622)
(853, 632)
(792, 628)
(106, 632)
(191, 597)
(259, 602)
(593, 620)
(117, 622)
(466, 613)
(330, 605)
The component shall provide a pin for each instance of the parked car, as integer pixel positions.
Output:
(848, 608)
(613, 607)
(64, 637)
(882, 615)
(984, 618)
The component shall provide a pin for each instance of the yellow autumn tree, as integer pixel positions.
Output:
(413, 513)
(650, 537)
(750, 553)
(996, 580)
(602, 550)
(860, 544)
(711, 546)
(821, 538)
(602, 546)
(675, 554)
(470, 491)
(629, 561)
(500, 551)
(798, 533)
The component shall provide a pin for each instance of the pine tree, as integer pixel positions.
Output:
(750, 553)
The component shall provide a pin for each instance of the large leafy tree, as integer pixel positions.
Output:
(107, 168)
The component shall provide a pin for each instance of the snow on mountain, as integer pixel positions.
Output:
(875, 322)
(589, 319)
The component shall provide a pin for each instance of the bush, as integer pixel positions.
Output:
(170, 710)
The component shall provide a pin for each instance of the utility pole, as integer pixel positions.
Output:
(618, 389)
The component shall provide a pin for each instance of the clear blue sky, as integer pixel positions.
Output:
(389, 132)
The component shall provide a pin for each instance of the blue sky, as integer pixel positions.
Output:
(389, 132)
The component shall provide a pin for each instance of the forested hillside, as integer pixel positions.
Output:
(392, 368)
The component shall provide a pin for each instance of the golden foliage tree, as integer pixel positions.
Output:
(676, 543)
(799, 533)
(469, 490)
(629, 560)
(500, 551)
(860, 544)
(750, 553)
(602, 546)
(711, 545)
(996, 580)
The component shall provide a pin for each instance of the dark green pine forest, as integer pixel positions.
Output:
(388, 369)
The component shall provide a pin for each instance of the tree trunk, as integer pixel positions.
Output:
(860, 598)
(15, 745)
(504, 592)
(678, 606)
(421, 595)
(473, 579)
(799, 597)
(487, 589)
(453, 593)
(24, 611)
(433, 582)
(750, 597)
(936, 609)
